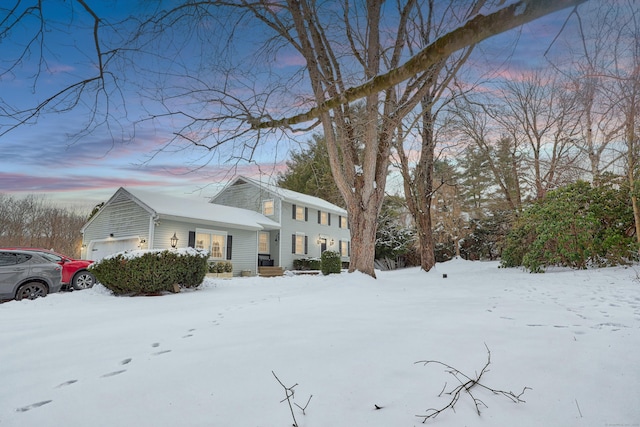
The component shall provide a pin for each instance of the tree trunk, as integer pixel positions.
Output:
(363, 237)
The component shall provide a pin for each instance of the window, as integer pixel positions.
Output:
(212, 241)
(344, 248)
(263, 243)
(267, 207)
(324, 218)
(299, 244)
(343, 222)
(299, 213)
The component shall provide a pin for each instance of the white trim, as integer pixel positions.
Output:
(273, 207)
(211, 232)
(303, 235)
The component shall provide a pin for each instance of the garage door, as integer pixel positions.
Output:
(98, 250)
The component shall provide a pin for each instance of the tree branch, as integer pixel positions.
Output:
(466, 384)
(474, 31)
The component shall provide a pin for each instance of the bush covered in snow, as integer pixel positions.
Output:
(306, 264)
(330, 262)
(151, 271)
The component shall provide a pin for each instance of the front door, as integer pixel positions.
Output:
(323, 245)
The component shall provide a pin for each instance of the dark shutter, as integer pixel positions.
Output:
(306, 244)
(339, 221)
(340, 247)
(192, 239)
(293, 211)
(306, 214)
(229, 244)
(293, 243)
(348, 248)
(328, 218)
(319, 217)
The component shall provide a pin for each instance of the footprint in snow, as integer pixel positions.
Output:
(114, 373)
(155, 344)
(126, 361)
(33, 406)
(66, 383)
(160, 352)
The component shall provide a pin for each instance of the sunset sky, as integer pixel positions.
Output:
(44, 158)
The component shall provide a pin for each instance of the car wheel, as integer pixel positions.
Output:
(31, 290)
(83, 280)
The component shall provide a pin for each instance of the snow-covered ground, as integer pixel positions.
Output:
(206, 357)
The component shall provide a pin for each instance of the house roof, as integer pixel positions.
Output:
(294, 197)
(190, 209)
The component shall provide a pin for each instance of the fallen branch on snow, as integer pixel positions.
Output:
(289, 393)
(466, 384)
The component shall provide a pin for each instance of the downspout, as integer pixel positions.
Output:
(152, 231)
(280, 232)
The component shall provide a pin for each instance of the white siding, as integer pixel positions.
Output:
(247, 196)
(244, 247)
(121, 218)
(313, 231)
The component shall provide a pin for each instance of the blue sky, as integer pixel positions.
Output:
(45, 158)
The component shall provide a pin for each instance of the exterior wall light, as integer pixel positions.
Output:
(174, 241)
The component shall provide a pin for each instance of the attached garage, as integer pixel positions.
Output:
(98, 249)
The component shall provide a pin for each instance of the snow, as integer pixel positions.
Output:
(137, 253)
(180, 207)
(205, 357)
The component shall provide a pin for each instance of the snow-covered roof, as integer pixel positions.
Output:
(295, 197)
(181, 207)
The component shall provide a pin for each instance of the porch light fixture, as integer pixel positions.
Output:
(174, 241)
(331, 242)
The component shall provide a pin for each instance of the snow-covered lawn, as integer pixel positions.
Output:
(205, 357)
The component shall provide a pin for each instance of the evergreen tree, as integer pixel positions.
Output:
(308, 172)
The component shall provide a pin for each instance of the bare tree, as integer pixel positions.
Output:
(473, 125)
(417, 175)
(541, 113)
(627, 77)
(350, 51)
(33, 221)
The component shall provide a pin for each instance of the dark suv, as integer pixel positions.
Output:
(74, 271)
(25, 274)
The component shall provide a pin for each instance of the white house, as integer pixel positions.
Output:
(251, 224)
(308, 225)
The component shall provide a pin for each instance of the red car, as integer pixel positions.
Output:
(74, 271)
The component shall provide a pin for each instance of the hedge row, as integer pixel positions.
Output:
(151, 271)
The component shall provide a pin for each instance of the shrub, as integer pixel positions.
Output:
(307, 264)
(220, 267)
(151, 271)
(330, 262)
(575, 226)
